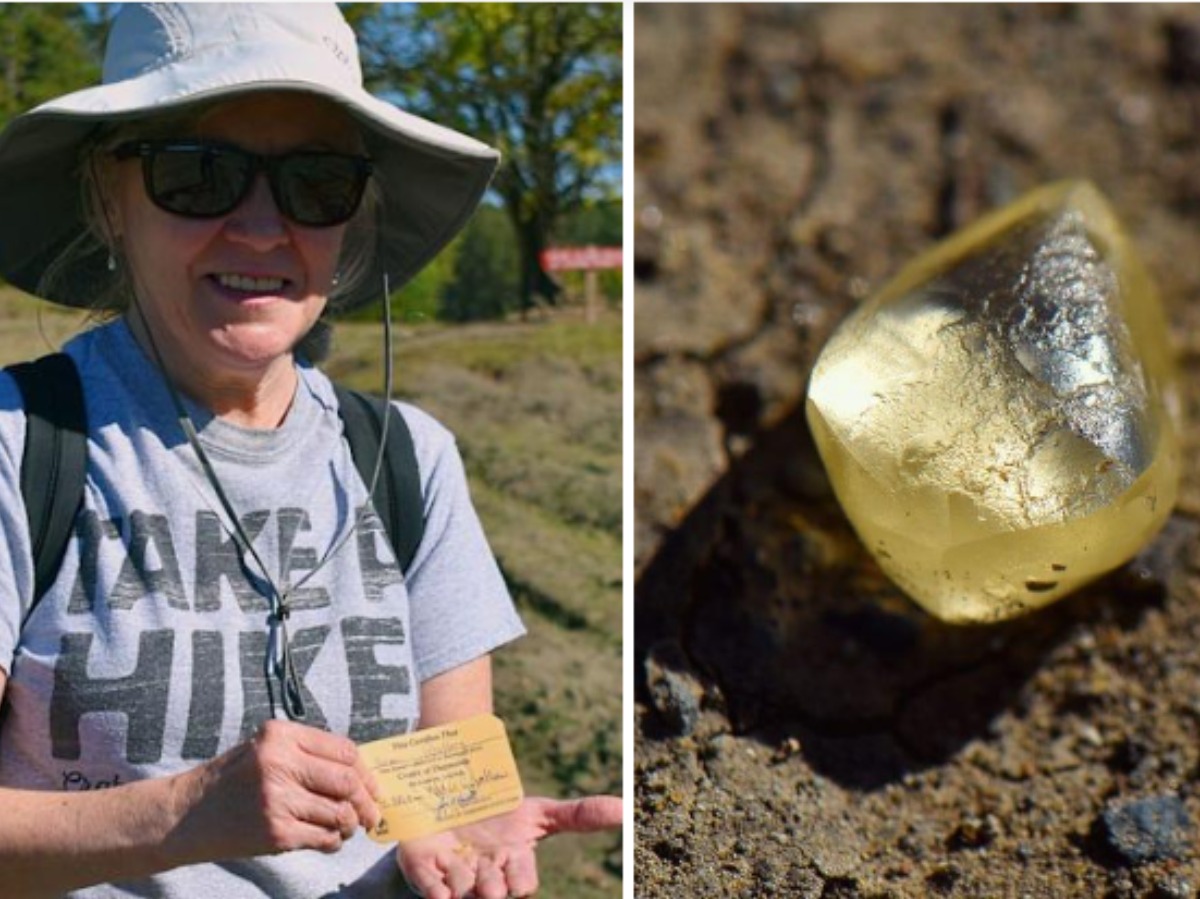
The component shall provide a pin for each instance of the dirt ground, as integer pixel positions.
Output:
(802, 728)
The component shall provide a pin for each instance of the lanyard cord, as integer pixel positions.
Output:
(380, 454)
(278, 665)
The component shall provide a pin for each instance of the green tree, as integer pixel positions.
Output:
(420, 300)
(46, 49)
(484, 283)
(593, 223)
(541, 82)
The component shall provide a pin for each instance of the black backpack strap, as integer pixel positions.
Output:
(397, 498)
(54, 465)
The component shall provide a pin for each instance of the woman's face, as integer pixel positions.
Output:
(225, 297)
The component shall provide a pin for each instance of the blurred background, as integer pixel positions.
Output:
(518, 355)
(803, 729)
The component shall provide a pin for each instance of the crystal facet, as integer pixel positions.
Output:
(1000, 421)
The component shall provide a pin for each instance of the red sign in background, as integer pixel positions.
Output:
(564, 259)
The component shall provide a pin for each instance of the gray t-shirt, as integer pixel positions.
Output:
(146, 656)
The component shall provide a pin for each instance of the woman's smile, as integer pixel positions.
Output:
(227, 298)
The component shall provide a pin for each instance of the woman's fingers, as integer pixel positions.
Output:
(459, 870)
(448, 876)
(321, 839)
(339, 782)
(581, 815)
(434, 889)
(521, 871)
(318, 763)
(339, 750)
(423, 875)
(291, 787)
(490, 880)
(327, 814)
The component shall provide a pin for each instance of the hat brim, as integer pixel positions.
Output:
(431, 177)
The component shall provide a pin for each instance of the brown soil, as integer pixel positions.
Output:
(802, 728)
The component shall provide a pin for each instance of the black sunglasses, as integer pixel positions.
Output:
(204, 179)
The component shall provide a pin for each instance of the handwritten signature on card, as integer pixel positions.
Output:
(443, 777)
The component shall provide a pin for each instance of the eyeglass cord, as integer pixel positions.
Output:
(278, 665)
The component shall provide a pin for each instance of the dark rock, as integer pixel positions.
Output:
(739, 406)
(674, 689)
(647, 248)
(943, 879)
(1128, 755)
(1145, 830)
(670, 851)
(1183, 52)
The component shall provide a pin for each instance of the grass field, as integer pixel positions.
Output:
(536, 408)
(537, 411)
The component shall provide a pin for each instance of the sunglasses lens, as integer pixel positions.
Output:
(198, 181)
(320, 189)
(208, 180)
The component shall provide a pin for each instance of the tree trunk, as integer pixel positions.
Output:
(531, 240)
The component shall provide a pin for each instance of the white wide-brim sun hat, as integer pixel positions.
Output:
(163, 57)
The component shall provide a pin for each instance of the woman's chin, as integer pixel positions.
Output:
(249, 348)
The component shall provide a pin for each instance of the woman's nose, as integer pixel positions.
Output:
(257, 221)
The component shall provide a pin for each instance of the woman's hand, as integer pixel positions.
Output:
(291, 787)
(494, 859)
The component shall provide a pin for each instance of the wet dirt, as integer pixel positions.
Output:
(802, 729)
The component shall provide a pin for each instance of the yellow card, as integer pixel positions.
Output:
(443, 777)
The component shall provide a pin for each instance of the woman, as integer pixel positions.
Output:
(226, 184)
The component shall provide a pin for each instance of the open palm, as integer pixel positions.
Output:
(494, 859)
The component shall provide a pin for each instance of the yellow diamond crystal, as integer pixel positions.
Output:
(1000, 421)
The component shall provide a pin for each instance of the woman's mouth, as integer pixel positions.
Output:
(250, 284)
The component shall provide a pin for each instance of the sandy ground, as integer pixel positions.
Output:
(802, 728)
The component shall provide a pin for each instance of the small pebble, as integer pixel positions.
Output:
(785, 750)
(1090, 735)
(674, 689)
(975, 833)
(1145, 830)
(651, 217)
